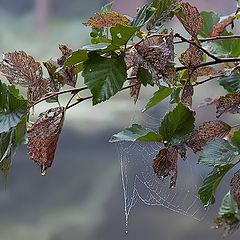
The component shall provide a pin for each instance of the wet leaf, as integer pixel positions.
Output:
(136, 133)
(104, 76)
(229, 103)
(165, 164)
(43, 137)
(218, 152)
(177, 124)
(190, 18)
(210, 184)
(206, 132)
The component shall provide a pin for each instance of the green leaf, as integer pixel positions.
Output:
(136, 133)
(104, 76)
(158, 96)
(144, 76)
(177, 124)
(228, 206)
(144, 14)
(12, 107)
(210, 19)
(230, 83)
(218, 152)
(175, 98)
(121, 35)
(236, 139)
(76, 57)
(211, 183)
(96, 40)
(164, 9)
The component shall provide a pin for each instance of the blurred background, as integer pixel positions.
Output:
(81, 196)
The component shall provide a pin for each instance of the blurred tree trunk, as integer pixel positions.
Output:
(43, 14)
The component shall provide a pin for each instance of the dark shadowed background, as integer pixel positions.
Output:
(81, 196)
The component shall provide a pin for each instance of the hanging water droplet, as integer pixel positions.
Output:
(43, 170)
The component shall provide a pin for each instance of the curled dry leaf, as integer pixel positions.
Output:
(107, 19)
(229, 103)
(206, 132)
(153, 53)
(135, 90)
(220, 27)
(190, 18)
(235, 187)
(20, 68)
(165, 164)
(43, 137)
(205, 71)
(187, 94)
(191, 57)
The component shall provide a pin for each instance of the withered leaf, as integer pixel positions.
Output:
(20, 68)
(107, 19)
(187, 94)
(205, 71)
(190, 18)
(206, 132)
(134, 90)
(235, 187)
(153, 53)
(229, 103)
(165, 164)
(220, 27)
(191, 57)
(43, 137)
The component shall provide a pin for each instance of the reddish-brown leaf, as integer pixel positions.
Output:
(187, 94)
(165, 164)
(220, 27)
(190, 18)
(206, 132)
(20, 68)
(205, 71)
(134, 90)
(66, 52)
(43, 137)
(107, 19)
(235, 187)
(229, 103)
(191, 57)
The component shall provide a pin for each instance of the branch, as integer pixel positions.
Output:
(212, 38)
(206, 80)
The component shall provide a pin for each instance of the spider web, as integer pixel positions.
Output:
(141, 184)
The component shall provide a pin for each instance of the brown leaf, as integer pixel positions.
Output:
(107, 19)
(235, 187)
(165, 164)
(20, 68)
(205, 71)
(220, 27)
(191, 57)
(206, 132)
(153, 53)
(135, 90)
(187, 94)
(43, 137)
(190, 18)
(229, 103)
(66, 52)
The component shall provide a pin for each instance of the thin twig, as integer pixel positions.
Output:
(206, 80)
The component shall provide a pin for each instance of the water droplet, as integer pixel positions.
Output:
(43, 170)
(236, 153)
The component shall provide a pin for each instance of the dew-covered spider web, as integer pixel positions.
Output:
(140, 184)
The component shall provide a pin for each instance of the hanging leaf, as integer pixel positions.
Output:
(220, 26)
(158, 96)
(134, 90)
(235, 187)
(164, 12)
(210, 184)
(190, 18)
(43, 137)
(144, 77)
(230, 83)
(76, 57)
(218, 152)
(187, 94)
(136, 133)
(192, 57)
(229, 103)
(205, 71)
(228, 206)
(206, 132)
(165, 164)
(104, 76)
(177, 124)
